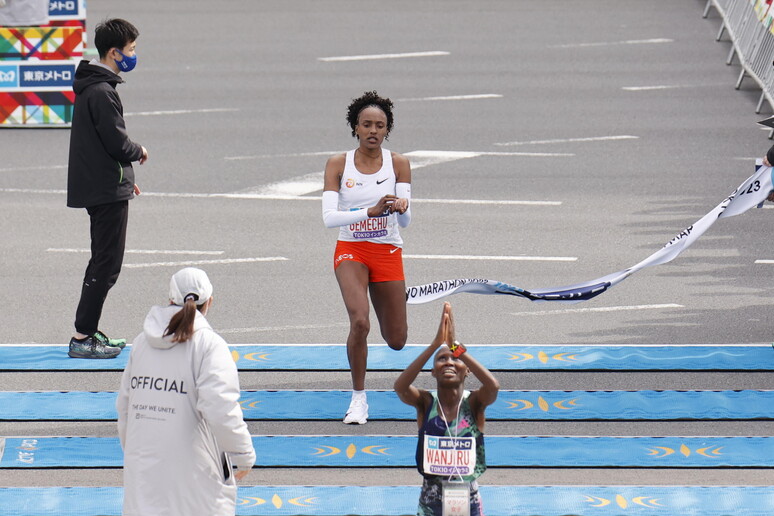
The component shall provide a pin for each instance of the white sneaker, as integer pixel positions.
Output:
(357, 413)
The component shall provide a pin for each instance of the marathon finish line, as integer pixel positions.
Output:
(752, 192)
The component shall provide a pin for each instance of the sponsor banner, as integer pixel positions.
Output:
(751, 193)
(37, 75)
(44, 43)
(67, 10)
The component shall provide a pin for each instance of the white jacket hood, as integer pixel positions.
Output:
(157, 321)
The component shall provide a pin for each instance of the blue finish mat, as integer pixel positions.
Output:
(398, 451)
(381, 358)
(402, 500)
(385, 405)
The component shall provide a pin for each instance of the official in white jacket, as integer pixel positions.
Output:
(181, 427)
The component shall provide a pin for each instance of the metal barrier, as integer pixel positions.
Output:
(749, 26)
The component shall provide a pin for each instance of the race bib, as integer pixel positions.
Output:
(373, 227)
(447, 456)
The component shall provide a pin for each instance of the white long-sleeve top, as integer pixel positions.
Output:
(180, 423)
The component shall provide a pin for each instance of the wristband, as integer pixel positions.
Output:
(457, 349)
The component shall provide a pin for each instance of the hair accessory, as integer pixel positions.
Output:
(457, 349)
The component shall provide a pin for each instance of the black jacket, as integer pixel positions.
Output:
(101, 153)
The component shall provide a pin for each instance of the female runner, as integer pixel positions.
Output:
(366, 194)
(450, 419)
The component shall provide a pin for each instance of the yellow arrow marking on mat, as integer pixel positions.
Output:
(715, 452)
(261, 356)
(369, 450)
(332, 450)
(515, 404)
(302, 503)
(256, 501)
(667, 451)
(640, 500)
(521, 357)
(602, 501)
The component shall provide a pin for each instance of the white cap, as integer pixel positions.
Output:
(190, 281)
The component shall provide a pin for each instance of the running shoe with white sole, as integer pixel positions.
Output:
(357, 413)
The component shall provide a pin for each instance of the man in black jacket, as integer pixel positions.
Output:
(100, 177)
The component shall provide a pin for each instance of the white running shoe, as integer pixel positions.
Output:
(357, 413)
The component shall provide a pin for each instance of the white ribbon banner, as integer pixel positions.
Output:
(752, 192)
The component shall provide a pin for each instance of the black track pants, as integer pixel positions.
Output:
(108, 239)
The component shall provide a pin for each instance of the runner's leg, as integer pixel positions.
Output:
(389, 300)
(353, 282)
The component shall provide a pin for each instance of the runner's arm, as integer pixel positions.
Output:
(403, 386)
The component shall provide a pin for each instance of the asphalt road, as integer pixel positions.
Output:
(617, 119)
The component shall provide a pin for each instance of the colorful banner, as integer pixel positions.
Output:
(752, 192)
(36, 93)
(44, 43)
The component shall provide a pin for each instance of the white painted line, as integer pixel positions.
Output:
(610, 43)
(384, 56)
(765, 262)
(275, 197)
(508, 258)
(309, 183)
(649, 88)
(42, 167)
(181, 112)
(485, 202)
(293, 155)
(573, 140)
(136, 251)
(32, 190)
(454, 97)
(602, 309)
(205, 262)
(286, 328)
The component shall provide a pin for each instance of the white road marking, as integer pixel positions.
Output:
(204, 262)
(42, 167)
(765, 262)
(181, 112)
(136, 251)
(486, 202)
(509, 258)
(572, 140)
(454, 97)
(276, 197)
(649, 88)
(292, 155)
(384, 56)
(601, 309)
(309, 183)
(610, 43)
